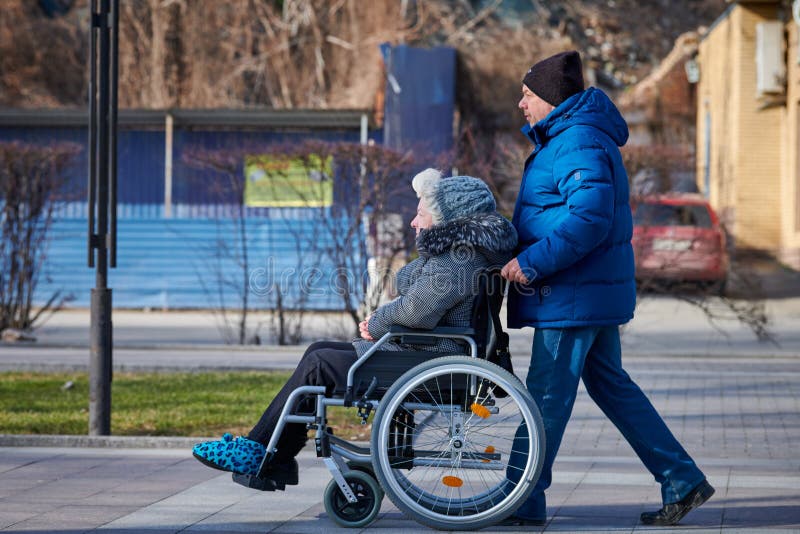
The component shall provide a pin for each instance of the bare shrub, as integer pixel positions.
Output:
(31, 182)
(657, 168)
(372, 191)
(497, 158)
(372, 187)
(217, 283)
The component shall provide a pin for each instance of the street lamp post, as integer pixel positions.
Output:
(102, 208)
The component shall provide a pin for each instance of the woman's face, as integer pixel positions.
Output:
(423, 220)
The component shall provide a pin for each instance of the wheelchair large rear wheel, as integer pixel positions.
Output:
(450, 450)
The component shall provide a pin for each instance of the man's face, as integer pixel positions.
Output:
(533, 107)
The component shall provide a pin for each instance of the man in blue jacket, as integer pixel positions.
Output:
(574, 281)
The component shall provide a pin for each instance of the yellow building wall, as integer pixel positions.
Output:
(790, 185)
(760, 160)
(717, 114)
(746, 145)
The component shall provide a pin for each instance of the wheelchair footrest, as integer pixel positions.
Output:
(262, 484)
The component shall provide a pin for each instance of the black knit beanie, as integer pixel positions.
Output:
(556, 78)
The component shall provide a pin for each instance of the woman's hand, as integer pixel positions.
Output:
(363, 329)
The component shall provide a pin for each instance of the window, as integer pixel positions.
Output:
(651, 214)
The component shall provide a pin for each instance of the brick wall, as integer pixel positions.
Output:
(746, 148)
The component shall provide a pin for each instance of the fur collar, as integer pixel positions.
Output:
(490, 233)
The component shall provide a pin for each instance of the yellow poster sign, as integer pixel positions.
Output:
(275, 181)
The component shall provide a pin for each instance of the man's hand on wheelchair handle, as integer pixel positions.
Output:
(512, 272)
(363, 329)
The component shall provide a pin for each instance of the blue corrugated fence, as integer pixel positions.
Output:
(188, 263)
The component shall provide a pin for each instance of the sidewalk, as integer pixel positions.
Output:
(191, 340)
(739, 417)
(733, 402)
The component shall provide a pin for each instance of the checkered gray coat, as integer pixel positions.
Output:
(438, 288)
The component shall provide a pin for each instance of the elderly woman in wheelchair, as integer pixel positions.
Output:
(456, 440)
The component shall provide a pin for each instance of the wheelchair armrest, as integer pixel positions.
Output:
(406, 335)
(439, 331)
(418, 336)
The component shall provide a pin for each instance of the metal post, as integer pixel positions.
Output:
(101, 231)
(92, 133)
(168, 128)
(100, 364)
(112, 130)
(364, 129)
(102, 204)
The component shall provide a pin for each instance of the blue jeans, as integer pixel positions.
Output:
(562, 356)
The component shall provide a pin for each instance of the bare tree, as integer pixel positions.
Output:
(324, 53)
(227, 165)
(42, 59)
(31, 182)
(367, 222)
(498, 159)
(279, 166)
(295, 53)
(357, 203)
(254, 279)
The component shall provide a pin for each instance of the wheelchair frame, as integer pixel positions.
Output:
(344, 449)
(354, 466)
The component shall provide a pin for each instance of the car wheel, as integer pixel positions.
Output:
(717, 287)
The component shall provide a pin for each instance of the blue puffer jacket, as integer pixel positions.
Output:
(574, 220)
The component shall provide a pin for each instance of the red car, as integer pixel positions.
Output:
(678, 238)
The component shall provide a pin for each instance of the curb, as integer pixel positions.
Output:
(521, 362)
(265, 349)
(628, 355)
(128, 368)
(107, 442)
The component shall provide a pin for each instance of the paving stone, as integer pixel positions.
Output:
(739, 418)
(72, 518)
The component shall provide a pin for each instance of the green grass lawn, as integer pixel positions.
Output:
(146, 404)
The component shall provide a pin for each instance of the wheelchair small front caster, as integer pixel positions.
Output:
(358, 514)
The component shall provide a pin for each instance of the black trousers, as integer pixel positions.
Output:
(325, 363)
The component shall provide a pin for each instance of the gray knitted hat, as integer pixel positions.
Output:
(451, 198)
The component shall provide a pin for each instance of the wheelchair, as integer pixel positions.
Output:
(457, 442)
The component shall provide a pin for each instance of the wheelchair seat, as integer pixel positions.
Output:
(385, 367)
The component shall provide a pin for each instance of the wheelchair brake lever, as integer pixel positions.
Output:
(364, 406)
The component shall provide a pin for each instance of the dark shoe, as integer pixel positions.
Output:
(670, 514)
(276, 476)
(286, 472)
(514, 521)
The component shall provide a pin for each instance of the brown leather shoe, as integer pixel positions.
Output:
(670, 514)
